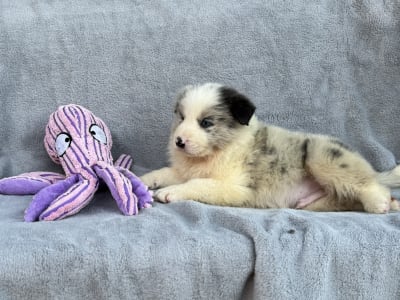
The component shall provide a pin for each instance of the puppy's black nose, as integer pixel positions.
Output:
(179, 143)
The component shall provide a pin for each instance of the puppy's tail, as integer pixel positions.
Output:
(390, 178)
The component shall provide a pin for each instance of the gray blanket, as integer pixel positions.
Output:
(326, 66)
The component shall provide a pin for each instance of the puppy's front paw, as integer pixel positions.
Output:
(169, 194)
(151, 180)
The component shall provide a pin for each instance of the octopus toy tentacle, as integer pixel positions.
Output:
(139, 188)
(120, 187)
(28, 183)
(71, 201)
(124, 161)
(46, 196)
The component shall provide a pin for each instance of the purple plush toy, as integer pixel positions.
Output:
(81, 143)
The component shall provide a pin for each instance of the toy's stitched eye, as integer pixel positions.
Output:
(63, 141)
(206, 123)
(98, 134)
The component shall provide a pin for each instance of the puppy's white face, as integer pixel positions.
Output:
(207, 118)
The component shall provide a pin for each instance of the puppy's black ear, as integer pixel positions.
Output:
(240, 107)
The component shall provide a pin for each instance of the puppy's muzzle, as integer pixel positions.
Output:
(179, 142)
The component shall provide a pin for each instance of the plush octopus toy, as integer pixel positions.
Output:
(81, 143)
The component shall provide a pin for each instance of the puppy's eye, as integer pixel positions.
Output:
(180, 116)
(206, 123)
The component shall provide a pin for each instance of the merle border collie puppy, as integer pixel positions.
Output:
(221, 154)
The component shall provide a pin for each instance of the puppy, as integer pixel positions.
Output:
(221, 154)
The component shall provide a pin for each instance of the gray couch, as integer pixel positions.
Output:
(323, 66)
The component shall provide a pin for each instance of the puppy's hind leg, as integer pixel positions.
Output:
(329, 203)
(347, 177)
(394, 204)
(376, 198)
(391, 179)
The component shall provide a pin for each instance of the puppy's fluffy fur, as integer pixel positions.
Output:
(221, 154)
